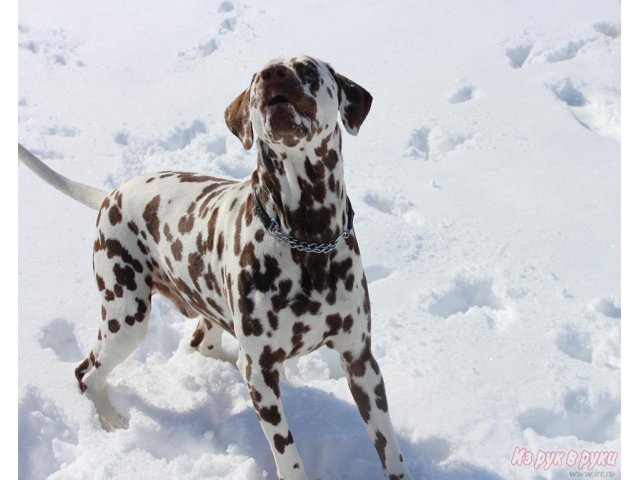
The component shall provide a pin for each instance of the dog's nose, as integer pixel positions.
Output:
(274, 72)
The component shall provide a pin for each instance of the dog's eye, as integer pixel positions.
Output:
(306, 72)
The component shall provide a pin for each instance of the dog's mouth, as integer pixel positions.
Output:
(278, 100)
(279, 104)
(283, 115)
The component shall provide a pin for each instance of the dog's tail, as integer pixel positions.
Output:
(89, 196)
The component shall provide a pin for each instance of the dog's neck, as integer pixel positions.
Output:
(303, 186)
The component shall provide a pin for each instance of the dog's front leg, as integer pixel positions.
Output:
(367, 387)
(261, 374)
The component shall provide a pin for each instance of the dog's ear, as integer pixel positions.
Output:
(354, 102)
(237, 118)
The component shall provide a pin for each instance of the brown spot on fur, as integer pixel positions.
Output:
(362, 401)
(271, 414)
(193, 177)
(381, 396)
(125, 276)
(176, 249)
(220, 245)
(114, 325)
(103, 207)
(150, 216)
(347, 324)
(143, 249)
(302, 304)
(185, 224)
(197, 338)
(358, 367)
(268, 361)
(380, 444)
(280, 442)
(115, 249)
(196, 268)
(273, 320)
(237, 236)
(299, 329)
(334, 323)
(167, 233)
(247, 257)
(280, 300)
(115, 216)
(250, 326)
(80, 371)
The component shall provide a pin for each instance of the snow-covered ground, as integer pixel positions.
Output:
(486, 185)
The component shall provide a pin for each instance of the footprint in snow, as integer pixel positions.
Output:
(121, 138)
(207, 47)
(462, 94)
(598, 111)
(551, 51)
(596, 339)
(526, 53)
(518, 54)
(227, 25)
(377, 272)
(434, 143)
(61, 131)
(567, 51)
(59, 335)
(52, 45)
(181, 136)
(395, 205)
(210, 45)
(583, 414)
(610, 29)
(463, 294)
(608, 306)
(566, 91)
(576, 343)
(225, 7)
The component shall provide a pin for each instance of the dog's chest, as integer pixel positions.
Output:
(209, 248)
(309, 299)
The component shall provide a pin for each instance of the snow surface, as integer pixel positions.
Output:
(486, 185)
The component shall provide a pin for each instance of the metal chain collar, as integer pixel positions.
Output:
(273, 227)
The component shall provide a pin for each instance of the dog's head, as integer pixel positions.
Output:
(292, 100)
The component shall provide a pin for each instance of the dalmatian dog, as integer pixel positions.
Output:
(273, 261)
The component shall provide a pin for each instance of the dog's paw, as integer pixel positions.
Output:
(113, 420)
(110, 418)
(217, 352)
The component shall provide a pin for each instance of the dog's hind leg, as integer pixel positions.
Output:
(207, 339)
(125, 314)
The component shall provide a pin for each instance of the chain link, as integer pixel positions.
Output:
(274, 229)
